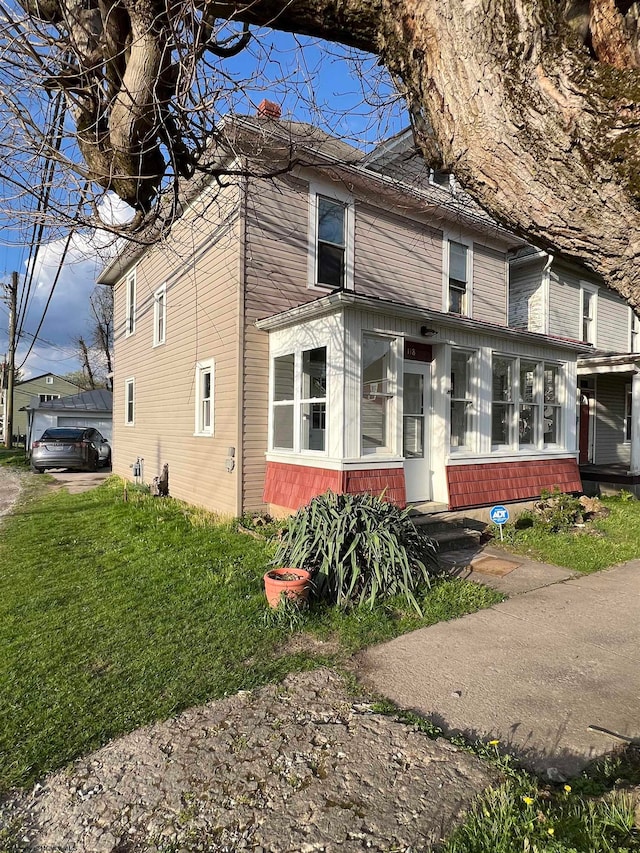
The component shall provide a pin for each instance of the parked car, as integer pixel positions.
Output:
(82, 448)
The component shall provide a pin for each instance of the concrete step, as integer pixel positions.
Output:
(451, 532)
(457, 539)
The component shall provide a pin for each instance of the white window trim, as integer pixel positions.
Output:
(131, 290)
(393, 446)
(632, 316)
(129, 383)
(202, 367)
(473, 389)
(589, 288)
(328, 190)
(464, 241)
(160, 292)
(540, 446)
(49, 380)
(298, 400)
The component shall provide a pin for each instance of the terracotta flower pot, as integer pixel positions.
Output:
(293, 582)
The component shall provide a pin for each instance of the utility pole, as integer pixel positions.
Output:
(13, 299)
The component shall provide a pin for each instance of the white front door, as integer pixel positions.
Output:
(415, 430)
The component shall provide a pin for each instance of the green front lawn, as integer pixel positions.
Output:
(599, 544)
(114, 614)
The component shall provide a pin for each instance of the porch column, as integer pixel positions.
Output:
(635, 424)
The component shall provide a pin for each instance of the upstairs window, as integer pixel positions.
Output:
(331, 242)
(130, 324)
(589, 297)
(159, 315)
(331, 217)
(458, 274)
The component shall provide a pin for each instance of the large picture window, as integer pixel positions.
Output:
(526, 409)
(299, 408)
(376, 394)
(461, 419)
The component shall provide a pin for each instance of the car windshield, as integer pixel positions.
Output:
(62, 435)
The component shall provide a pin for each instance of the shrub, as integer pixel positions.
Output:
(558, 511)
(359, 548)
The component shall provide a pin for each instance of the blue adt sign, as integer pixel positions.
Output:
(499, 514)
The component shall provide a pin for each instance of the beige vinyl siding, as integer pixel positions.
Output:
(610, 446)
(276, 253)
(489, 285)
(256, 416)
(613, 322)
(276, 248)
(201, 276)
(564, 304)
(397, 258)
(525, 297)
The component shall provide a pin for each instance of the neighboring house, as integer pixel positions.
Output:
(557, 298)
(87, 409)
(44, 388)
(335, 327)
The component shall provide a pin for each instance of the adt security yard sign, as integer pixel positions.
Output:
(499, 515)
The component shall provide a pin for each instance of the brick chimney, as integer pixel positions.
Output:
(268, 109)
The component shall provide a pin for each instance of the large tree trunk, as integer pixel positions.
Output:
(533, 104)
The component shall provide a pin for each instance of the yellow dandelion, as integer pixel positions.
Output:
(528, 800)
(551, 830)
(567, 788)
(494, 742)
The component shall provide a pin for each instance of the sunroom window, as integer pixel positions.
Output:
(376, 394)
(461, 421)
(526, 409)
(299, 410)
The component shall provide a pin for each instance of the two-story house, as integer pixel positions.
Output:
(334, 320)
(557, 298)
(42, 388)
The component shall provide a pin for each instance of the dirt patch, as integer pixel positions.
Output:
(11, 485)
(302, 766)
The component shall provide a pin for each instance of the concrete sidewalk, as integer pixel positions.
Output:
(534, 671)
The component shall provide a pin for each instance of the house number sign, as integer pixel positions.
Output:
(416, 351)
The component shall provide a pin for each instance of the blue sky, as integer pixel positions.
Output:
(346, 93)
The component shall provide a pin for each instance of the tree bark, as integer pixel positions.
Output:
(533, 104)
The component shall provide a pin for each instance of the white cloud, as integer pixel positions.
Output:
(68, 314)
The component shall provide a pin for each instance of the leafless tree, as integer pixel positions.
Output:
(534, 105)
(95, 354)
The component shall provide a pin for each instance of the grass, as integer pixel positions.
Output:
(115, 614)
(14, 458)
(600, 544)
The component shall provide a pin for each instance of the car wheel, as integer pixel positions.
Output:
(37, 470)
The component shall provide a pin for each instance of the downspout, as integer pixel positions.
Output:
(242, 224)
(546, 284)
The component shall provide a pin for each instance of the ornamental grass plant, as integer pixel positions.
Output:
(360, 549)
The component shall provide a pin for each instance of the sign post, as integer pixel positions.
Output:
(499, 515)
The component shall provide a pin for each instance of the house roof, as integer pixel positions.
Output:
(43, 376)
(98, 400)
(334, 301)
(394, 170)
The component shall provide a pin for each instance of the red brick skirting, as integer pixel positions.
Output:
(293, 486)
(499, 482)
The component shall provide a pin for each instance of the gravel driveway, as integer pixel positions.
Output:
(11, 483)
